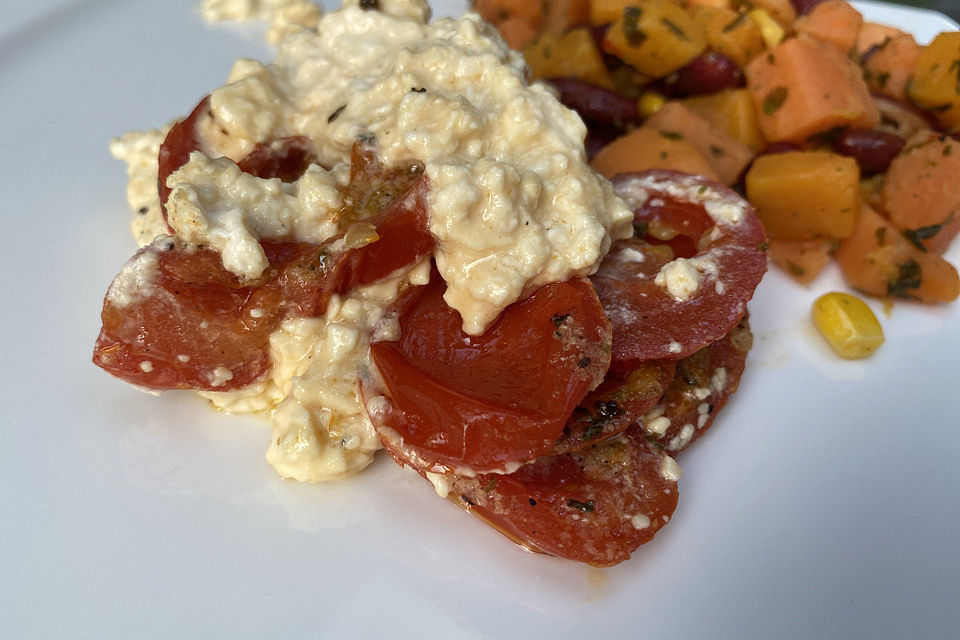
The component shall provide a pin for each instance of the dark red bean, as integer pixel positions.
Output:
(596, 104)
(708, 73)
(804, 7)
(873, 150)
(781, 147)
(599, 136)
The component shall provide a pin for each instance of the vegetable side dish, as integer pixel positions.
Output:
(841, 133)
(389, 238)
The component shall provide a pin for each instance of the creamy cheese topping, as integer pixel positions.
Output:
(512, 202)
(282, 16)
(139, 149)
(682, 277)
(669, 469)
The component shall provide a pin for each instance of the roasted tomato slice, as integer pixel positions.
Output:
(623, 398)
(669, 308)
(386, 230)
(175, 318)
(595, 505)
(702, 385)
(487, 403)
(182, 140)
(284, 158)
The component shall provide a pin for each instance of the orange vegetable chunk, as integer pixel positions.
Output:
(935, 85)
(872, 34)
(802, 260)
(877, 260)
(803, 87)
(805, 195)
(730, 33)
(888, 69)
(732, 111)
(921, 191)
(646, 148)
(727, 156)
(656, 37)
(834, 21)
(517, 33)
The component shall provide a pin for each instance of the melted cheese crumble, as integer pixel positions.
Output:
(512, 203)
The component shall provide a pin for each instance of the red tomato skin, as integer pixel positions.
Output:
(679, 404)
(485, 403)
(648, 323)
(577, 505)
(283, 158)
(199, 310)
(195, 309)
(182, 140)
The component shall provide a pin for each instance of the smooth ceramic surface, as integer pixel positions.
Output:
(823, 504)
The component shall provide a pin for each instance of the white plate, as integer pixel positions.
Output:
(824, 504)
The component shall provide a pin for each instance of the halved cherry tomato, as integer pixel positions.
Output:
(702, 385)
(486, 403)
(284, 158)
(596, 505)
(181, 141)
(621, 399)
(649, 322)
(192, 324)
(184, 326)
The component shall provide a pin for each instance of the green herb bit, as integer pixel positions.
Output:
(586, 506)
(736, 23)
(671, 135)
(774, 100)
(672, 26)
(917, 236)
(631, 29)
(909, 276)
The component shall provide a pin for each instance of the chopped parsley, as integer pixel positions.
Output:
(774, 100)
(631, 30)
(586, 506)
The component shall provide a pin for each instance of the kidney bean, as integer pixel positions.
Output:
(599, 136)
(873, 150)
(596, 104)
(708, 73)
(805, 6)
(781, 147)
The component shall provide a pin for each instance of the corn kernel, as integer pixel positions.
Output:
(847, 324)
(770, 30)
(650, 102)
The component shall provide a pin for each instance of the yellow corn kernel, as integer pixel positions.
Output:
(650, 102)
(770, 30)
(847, 324)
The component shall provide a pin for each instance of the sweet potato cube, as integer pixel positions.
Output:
(834, 21)
(781, 11)
(730, 33)
(936, 80)
(872, 34)
(889, 67)
(802, 260)
(877, 260)
(571, 55)
(921, 191)
(657, 37)
(727, 156)
(803, 87)
(732, 111)
(517, 33)
(647, 148)
(805, 195)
